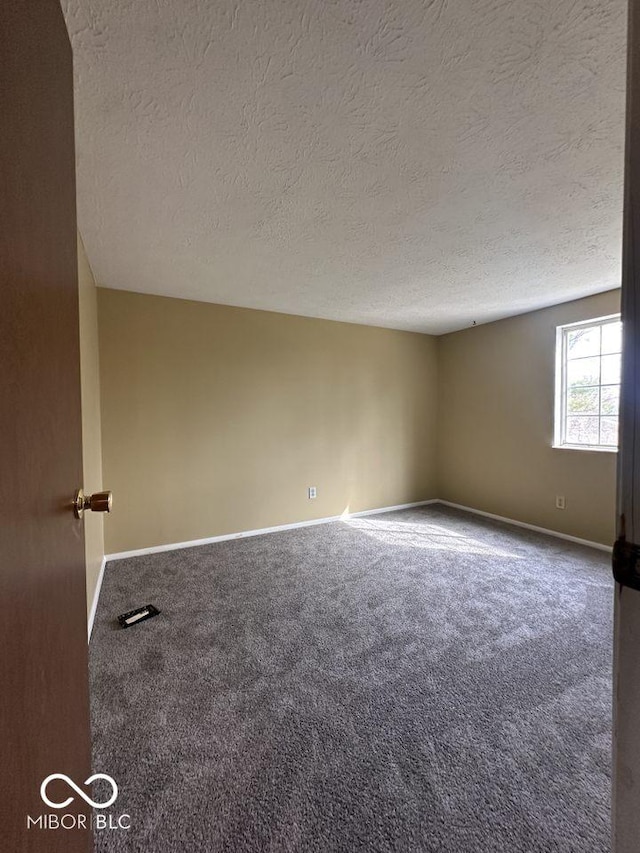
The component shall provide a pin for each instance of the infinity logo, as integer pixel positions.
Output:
(72, 784)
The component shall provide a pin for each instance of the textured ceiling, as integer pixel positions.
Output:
(418, 164)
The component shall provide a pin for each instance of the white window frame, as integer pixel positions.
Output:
(561, 385)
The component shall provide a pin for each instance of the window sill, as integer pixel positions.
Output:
(589, 448)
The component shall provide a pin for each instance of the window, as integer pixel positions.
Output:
(588, 384)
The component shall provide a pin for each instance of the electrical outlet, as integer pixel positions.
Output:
(560, 502)
(312, 492)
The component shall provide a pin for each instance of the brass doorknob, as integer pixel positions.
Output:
(98, 502)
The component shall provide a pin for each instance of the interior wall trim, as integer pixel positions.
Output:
(598, 545)
(194, 543)
(96, 596)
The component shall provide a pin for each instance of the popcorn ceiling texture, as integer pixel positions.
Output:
(417, 165)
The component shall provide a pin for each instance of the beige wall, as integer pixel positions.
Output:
(90, 389)
(217, 419)
(495, 426)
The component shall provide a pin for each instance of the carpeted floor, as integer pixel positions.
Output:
(422, 680)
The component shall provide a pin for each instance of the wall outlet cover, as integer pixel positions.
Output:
(312, 492)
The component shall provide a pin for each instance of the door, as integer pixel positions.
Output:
(44, 704)
(626, 675)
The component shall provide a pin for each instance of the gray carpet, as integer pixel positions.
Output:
(416, 681)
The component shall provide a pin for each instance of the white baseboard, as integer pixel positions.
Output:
(96, 596)
(515, 523)
(194, 543)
